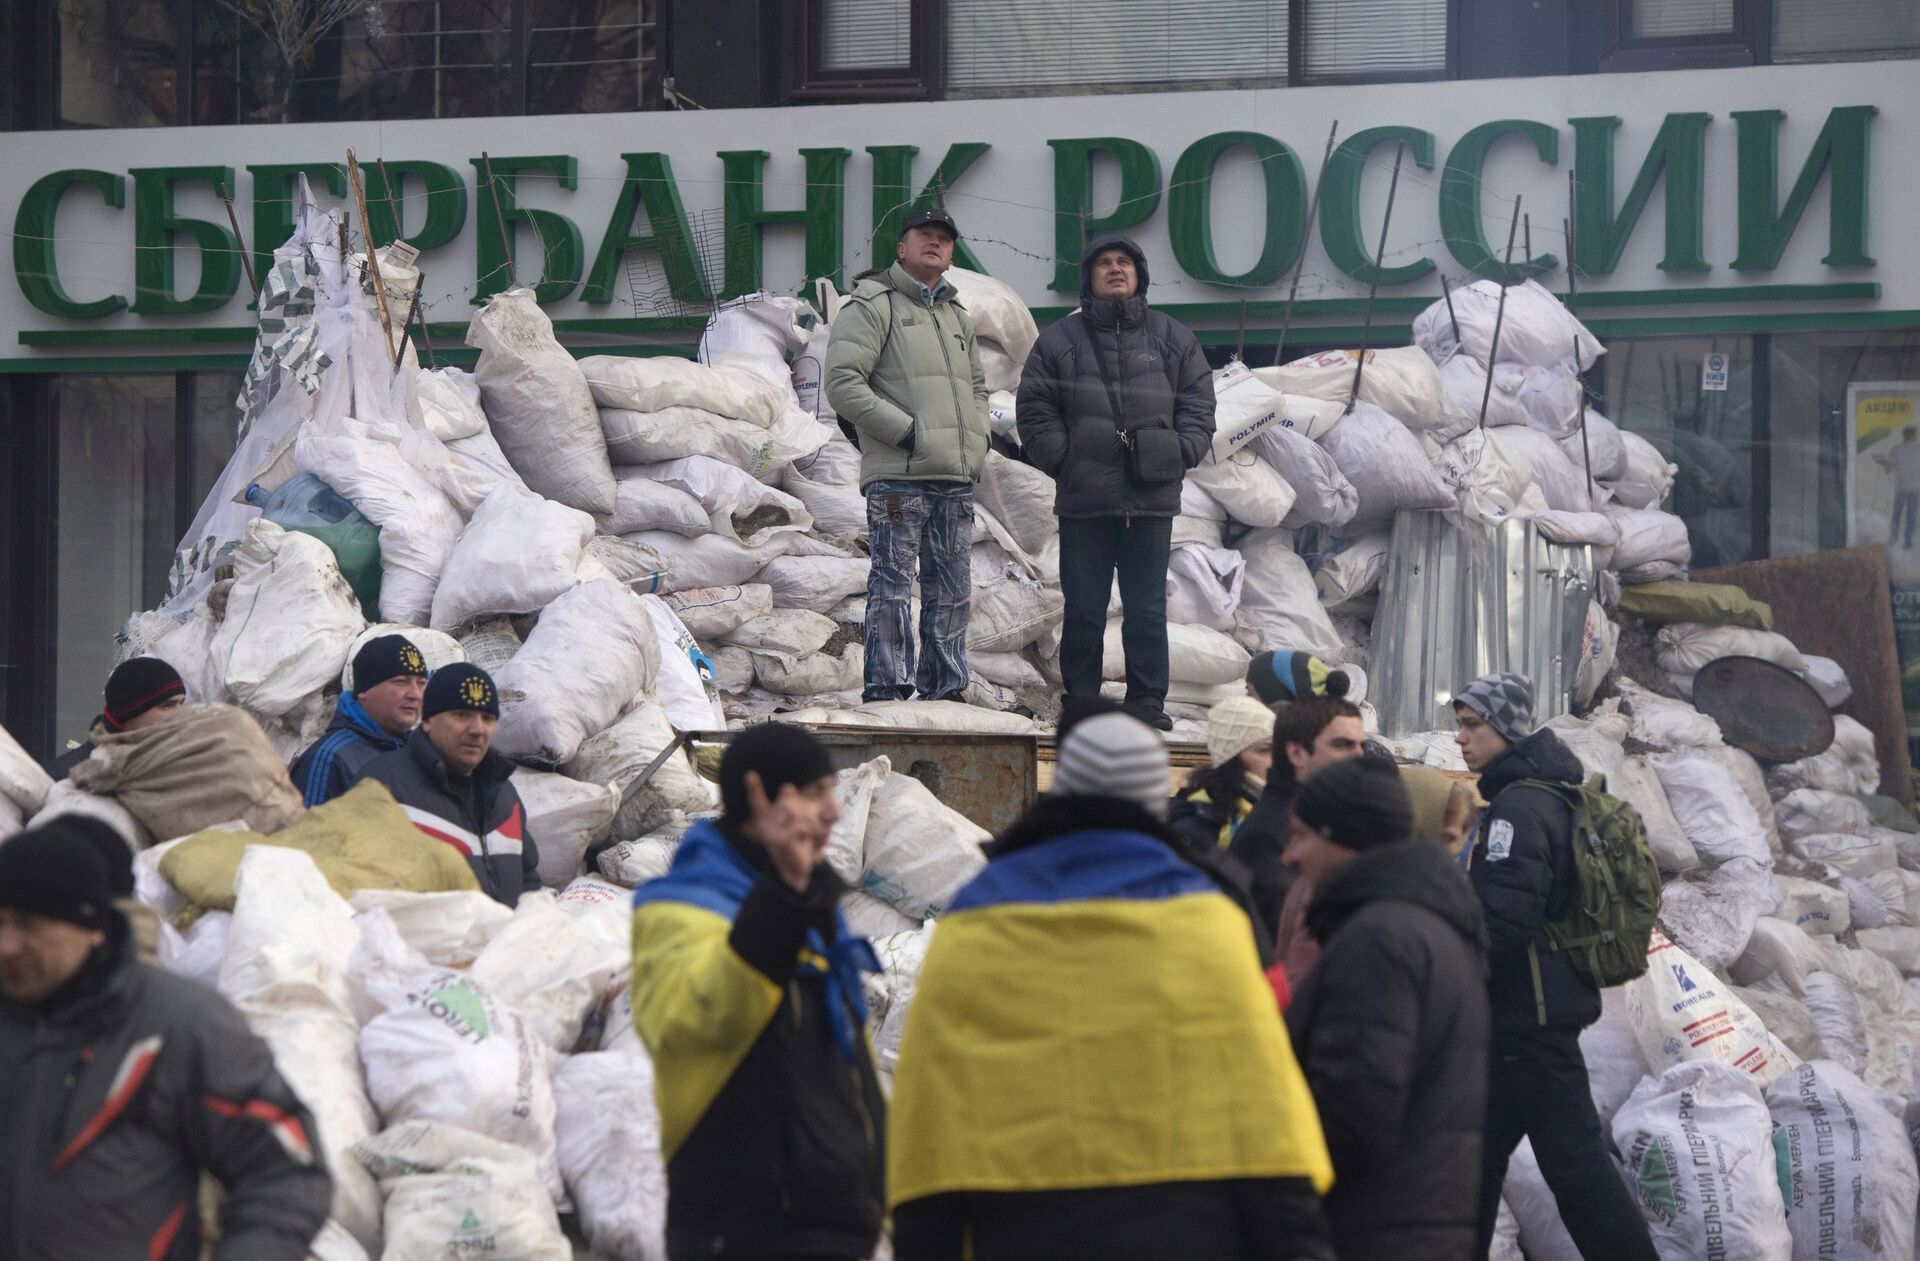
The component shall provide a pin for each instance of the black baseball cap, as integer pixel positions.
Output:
(934, 218)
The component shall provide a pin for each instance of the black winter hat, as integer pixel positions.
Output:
(461, 685)
(781, 753)
(1357, 803)
(68, 869)
(930, 218)
(387, 657)
(136, 686)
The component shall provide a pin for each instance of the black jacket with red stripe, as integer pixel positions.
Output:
(481, 815)
(115, 1095)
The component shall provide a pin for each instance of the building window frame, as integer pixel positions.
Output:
(1749, 43)
(921, 79)
(1297, 75)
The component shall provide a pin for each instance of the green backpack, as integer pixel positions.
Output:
(1605, 928)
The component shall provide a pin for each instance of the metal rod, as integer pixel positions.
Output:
(1526, 251)
(500, 220)
(413, 313)
(1579, 373)
(1572, 226)
(373, 257)
(1373, 287)
(246, 259)
(1447, 293)
(386, 187)
(1306, 240)
(1240, 343)
(1499, 316)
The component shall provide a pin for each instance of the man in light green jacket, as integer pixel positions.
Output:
(904, 370)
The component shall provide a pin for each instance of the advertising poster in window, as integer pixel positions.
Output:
(1884, 452)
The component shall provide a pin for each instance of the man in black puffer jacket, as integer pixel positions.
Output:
(1390, 1026)
(1522, 867)
(1094, 380)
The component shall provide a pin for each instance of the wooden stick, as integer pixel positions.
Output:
(1452, 319)
(506, 241)
(1306, 241)
(373, 258)
(386, 187)
(1499, 315)
(1379, 258)
(413, 313)
(246, 259)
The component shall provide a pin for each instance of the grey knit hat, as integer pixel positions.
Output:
(1114, 755)
(1505, 700)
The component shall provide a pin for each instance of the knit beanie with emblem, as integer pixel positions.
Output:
(136, 686)
(1504, 700)
(1293, 676)
(461, 685)
(386, 657)
(1357, 803)
(780, 753)
(64, 873)
(1234, 726)
(1113, 755)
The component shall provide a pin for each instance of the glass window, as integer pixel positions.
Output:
(1355, 39)
(1010, 45)
(1673, 19)
(588, 56)
(1821, 30)
(866, 34)
(116, 63)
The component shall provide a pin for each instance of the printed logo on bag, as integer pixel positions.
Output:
(1681, 978)
(1499, 840)
(458, 1007)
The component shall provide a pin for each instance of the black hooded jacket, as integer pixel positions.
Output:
(1391, 1029)
(1523, 870)
(1159, 375)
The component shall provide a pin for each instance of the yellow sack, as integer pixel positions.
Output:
(359, 840)
(1708, 603)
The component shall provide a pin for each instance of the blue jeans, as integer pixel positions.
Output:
(928, 527)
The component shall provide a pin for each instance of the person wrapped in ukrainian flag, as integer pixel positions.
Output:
(1094, 1065)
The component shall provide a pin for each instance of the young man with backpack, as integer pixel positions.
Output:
(1544, 847)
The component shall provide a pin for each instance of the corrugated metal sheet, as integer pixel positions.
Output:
(1457, 604)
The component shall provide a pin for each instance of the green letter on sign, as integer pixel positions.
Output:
(1073, 198)
(1190, 208)
(892, 180)
(560, 247)
(823, 216)
(1841, 145)
(1460, 219)
(154, 227)
(33, 233)
(649, 183)
(446, 196)
(1679, 150)
(1340, 232)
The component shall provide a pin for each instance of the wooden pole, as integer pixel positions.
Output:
(233, 220)
(1379, 258)
(1579, 373)
(373, 258)
(413, 313)
(1499, 315)
(1306, 240)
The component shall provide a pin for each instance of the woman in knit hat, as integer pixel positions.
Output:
(1219, 795)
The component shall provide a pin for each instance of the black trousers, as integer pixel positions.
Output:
(1539, 1090)
(1092, 550)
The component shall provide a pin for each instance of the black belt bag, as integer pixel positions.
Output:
(1153, 456)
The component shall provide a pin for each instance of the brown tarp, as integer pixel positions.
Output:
(1840, 605)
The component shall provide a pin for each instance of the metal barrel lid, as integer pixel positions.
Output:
(1764, 709)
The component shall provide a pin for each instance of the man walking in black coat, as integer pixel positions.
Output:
(1522, 867)
(1390, 1025)
(1116, 403)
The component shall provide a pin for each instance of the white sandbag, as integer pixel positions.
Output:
(538, 404)
(1711, 808)
(795, 632)
(290, 617)
(554, 967)
(1752, 782)
(1780, 949)
(1682, 1012)
(23, 783)
(1506, 1237)
(1840, 1018)
(1848, 765)
(1686, 647)
(1846, 1164)
(1827, 677)
(437, 648)
(1196, 654)
(918, 850)
(1541, 1235)
(1401, 381)
(738, 506)
(1667, 724)
(1551, 398)
(1698, 1147)
(1806, 811)
(764, 326)
(450, 403)
(185, 645)
(1898, 945)
(448, 929)
(1244, 403)
(837, 510)
(1197, 504)
(1604, 453)
(949, 716)
(1611, 1048)
(869, 917)
(996, 311)
(1598, 651)
(1020, 498)
(591, 652)
(1535, 328)
(66, 798)
(1251, 490)
(442, 1048)
(1879, 900)
(853, 792)
(1597, 740)
(1647, 476)
(634, 862)
(517, 555)
(1711, 914)
(683, 685)
(1648, 538)
(1465, 380)
(813, 673)
(1203, 586)
(903, 956)
(1813, 907)
(480, 455)
(1785, 1016)
(607, 1129)
(1861, 855)
(732, 670)
(1279, 604)
(816, 583)
(1322, 493)
(641, 503)
(1594, 529)
(711, 613)
(1560, 483)
(1352, 568)
(1003, 414)
(1007, 669)
(1009, 609)
(1386, 464)
(1490, 483)
(727, 387)
(1637, 784)
(565, 816)
(618, 755)
(455, 1193)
